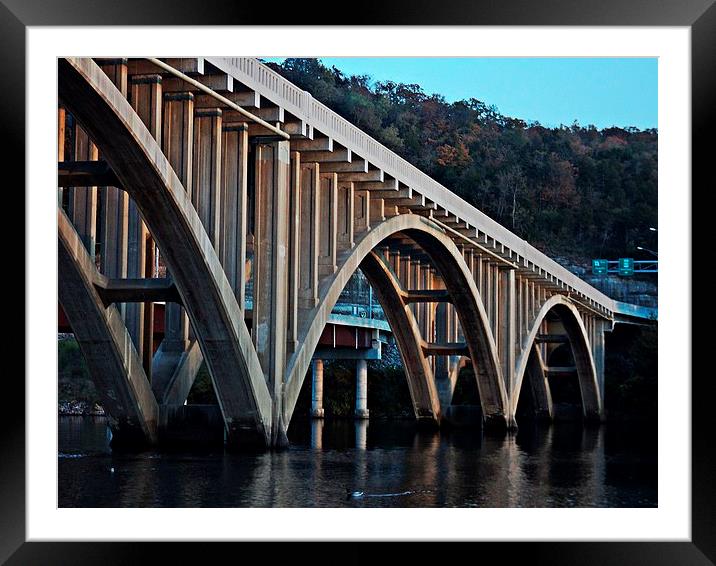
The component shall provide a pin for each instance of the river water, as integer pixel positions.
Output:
(370, 464)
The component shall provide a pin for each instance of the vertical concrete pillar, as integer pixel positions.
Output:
(416, 284)
(177, 141)
(496, 302)
(488, 296)
(146, 99)
(82, 207)
(395, 262)
(425, 307)
(61, 132)
(234, 191)
(377, 210)
(442, 376)
(271, 271)
(327, 260)
(478, 275)
(362, 210)
(317, 389)
(507, 334)
(309, 226)
(294, 249)
(346, 216)
(114, 211)
(361, 389)
(206, 171)
(405, 271)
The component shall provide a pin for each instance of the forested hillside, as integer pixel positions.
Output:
(572, 191)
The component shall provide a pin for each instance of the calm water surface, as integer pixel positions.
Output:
(391, 463)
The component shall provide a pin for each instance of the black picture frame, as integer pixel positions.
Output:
(698, 15)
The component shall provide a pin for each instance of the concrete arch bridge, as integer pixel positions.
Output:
(192, 180)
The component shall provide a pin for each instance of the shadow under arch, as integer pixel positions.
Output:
(579, 342)
(464, 294)
(145, 173)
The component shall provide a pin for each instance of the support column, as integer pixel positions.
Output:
(271, 272)
(234, 190)
(415, 284)
(361, 389)
(294, 250)
(346, 216)
(177, 141)
(405, 271)
(114, 211)
(327, 259)
(362, 210)
(496, 302)
(317, 389)
(206, 171)
(61, 132)
(309, 227)
(488, 296)
(395, 262)
(82, 208)
(508, 326)
(146, 99)
(377, 210)
(442, 375)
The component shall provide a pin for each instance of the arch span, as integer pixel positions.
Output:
(144, 172)
(111, 358)
(579, 342)
(460, 284)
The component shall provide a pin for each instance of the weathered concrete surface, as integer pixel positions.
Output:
(145, 173)
(111, 357)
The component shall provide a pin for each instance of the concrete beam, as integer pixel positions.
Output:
(136, 290)
(427, 296)
(85, 174)
(446, 349)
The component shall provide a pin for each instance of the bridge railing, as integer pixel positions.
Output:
(301, 104)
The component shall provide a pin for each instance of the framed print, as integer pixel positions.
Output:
(276, 238)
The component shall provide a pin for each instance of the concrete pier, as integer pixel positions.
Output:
(361, 389)
(317, 389)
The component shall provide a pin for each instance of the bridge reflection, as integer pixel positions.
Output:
(393, 464)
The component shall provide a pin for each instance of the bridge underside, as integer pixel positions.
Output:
(191, 182)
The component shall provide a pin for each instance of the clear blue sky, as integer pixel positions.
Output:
(600, 91)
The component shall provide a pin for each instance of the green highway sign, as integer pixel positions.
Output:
(599, 266)
(626, 266)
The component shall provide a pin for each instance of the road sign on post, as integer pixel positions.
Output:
(626, 266)
(599, 266)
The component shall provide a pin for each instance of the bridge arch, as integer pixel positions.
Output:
(105, 342)
(451, 265)
(145, 173)
(579, 341)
